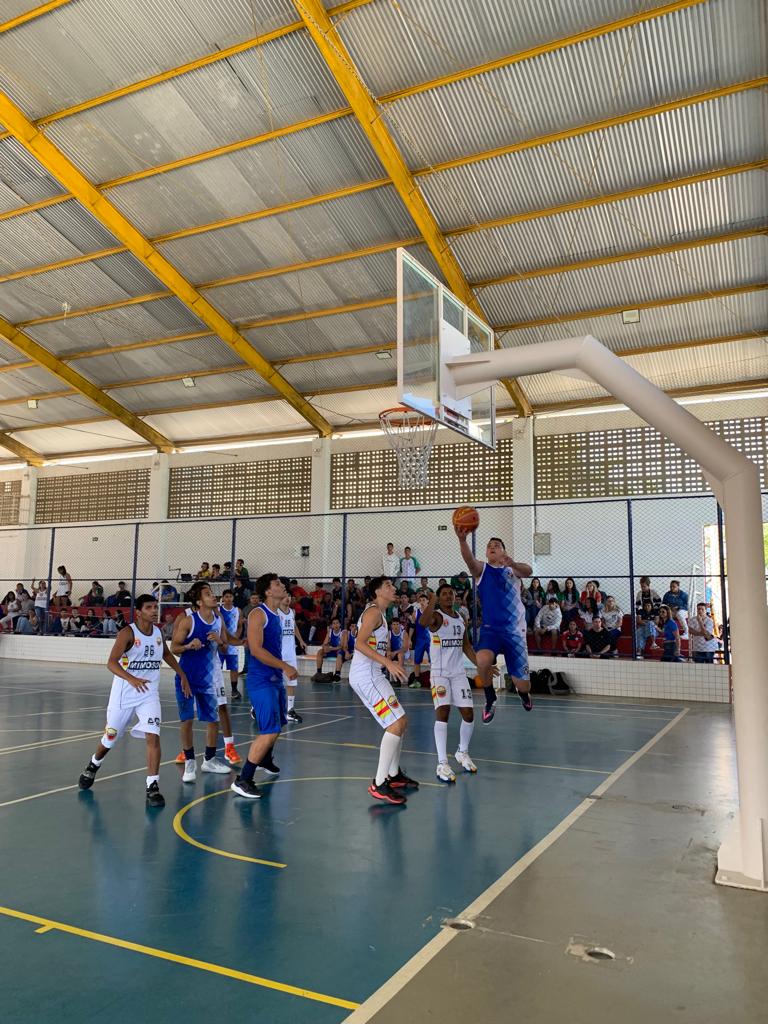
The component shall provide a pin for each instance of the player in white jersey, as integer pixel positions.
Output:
(135, 659)
(450, 687)
(367, 679)
(291, 637)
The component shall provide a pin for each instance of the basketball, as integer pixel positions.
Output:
(466, 518)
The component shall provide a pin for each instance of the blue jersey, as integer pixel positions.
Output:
(351, 643)
(231, 617)
(499, 592)
(260, 674)
(334, 639)
(199, 665)
(420, 633)
(396, 641)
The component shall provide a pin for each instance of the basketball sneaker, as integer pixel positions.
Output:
(253, 715)
(269, 766)
(231, 755)
(444, 772)
(180, 759)
(402, 781)
(89, 774)
(215, 765)
(236, 695)
(293, 716)
(490, 699)
(154, 797)
(246, 788)
(385, 793)
(465, 761)
(190, 771)
(526, 700)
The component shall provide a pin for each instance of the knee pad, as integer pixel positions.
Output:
(109, 739)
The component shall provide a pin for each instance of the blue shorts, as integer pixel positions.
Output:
(207, 709)
(333, 654)
(270, 707)
(420, 649)
(512, 645)
(229, 661)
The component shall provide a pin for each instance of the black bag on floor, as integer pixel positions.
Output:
(542, 680)
(560, 686)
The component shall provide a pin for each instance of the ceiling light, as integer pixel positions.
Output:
(31, 403)
(383, 354)
(630, 316)
(188, 382)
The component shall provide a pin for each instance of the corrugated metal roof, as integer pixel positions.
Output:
(89, 40)
(51, 410)
(363, 369)
(45, 236)
(226, 388)
(346, 224)
(344, 330)
(209, 424)
(61, 440)
(21, 383)
(183, 357)
(22, 179)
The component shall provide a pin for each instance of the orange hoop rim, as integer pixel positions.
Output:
(388, 417)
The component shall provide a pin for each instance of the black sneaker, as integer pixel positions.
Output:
(490, 699)
(293, 716)
(246, 788)
(236, 695)
(269, 766)
(154, 797)
(385, 793)
(526, 700)
(402, 781)
(253, 715)
(86, 779)
(336, 677)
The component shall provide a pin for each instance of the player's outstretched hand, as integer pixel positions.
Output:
(139, 684)
(290, 671)
(462, 532)
(185, 687)
(396, 669)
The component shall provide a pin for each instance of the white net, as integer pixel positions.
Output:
(411, 436)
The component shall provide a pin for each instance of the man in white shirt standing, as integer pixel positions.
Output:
(391, 563)
(704, 640)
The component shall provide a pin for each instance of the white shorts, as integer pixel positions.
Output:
(452, 690)
(294, 662)
(375, 691)
(219, 688)
(125, 702)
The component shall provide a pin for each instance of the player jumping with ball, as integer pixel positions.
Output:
(503, 628)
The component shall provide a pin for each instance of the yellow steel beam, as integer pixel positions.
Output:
(587, 314)
(36, 12)
(28, 454)
(23, 343)
(62, 169)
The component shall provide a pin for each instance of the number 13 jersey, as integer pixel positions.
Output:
(447, 647)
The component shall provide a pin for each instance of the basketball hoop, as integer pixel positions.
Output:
(411, 435)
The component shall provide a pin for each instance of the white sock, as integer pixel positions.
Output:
(465, 735)
(228, 740)
(390, 744)
(441, 740)
(394, 764)
(291, 702)
(151, 779)
(97, 760)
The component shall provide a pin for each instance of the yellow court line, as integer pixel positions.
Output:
(162, 954)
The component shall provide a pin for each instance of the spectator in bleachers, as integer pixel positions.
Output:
(533, 599)
(647, 593)
(241, 573)
(645, 628)
(42, 601)
(547, 623)
(95, 596)
(27, 624)
(612, 618)
(569, 602)
(63, 595)
(670, 631)
(336, 589)
(204, 572)
(121, 598)
(572, 639)
(461, 584)
(553, 590)
(597, 643)
(390, 562)
(409, 568)
(704, 642)
(21, 592)
(167, 628)
(11, 610)
(240, 593)
(591, 592)
(226, 571)
(425, 587)
(25, 599)
(119, 620)
(165, 592)
(677, 602)
(297, 591)
(108, 625)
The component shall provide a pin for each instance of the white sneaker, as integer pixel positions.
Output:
(444, 772)
(215, 765)
(190, 772)
(465, 761)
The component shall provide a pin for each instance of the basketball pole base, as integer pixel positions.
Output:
(731, 857)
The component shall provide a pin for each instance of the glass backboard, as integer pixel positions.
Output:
(433, 327)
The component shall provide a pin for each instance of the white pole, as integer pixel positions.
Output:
(743, 857)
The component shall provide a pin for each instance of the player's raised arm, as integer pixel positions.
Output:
(474, 565)
(430, 620)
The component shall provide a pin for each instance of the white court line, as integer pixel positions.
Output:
(408, 971)
(414, 709)
(133, 771)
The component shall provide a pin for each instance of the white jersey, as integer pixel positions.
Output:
(367, 679)
(143, 659)
(446, 652)
(288, 627)
(377, 641)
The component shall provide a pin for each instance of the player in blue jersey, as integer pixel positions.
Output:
(398, 644)
(264, 680)
(504, 629)
(233, 621)
(332, 647)
(421, 642)
(196, 638)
